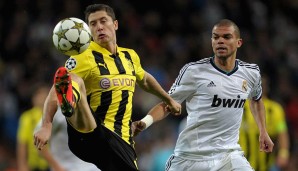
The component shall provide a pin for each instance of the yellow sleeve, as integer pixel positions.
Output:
(24, 128)
(140, 72)
(81, 64)
(281, 124)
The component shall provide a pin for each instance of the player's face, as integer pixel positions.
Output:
(103, 28)
(225, 41)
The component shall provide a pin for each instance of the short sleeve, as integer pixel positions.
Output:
(184, 85)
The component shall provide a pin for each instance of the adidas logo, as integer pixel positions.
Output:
(211, 84)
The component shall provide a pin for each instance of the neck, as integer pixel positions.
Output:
(224, 63)
(111, 47)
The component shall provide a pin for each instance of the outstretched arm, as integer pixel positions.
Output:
(43, 134)
(157, 113)
(258, 110)
(150, 85)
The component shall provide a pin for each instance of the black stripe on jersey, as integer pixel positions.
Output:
(119, 64)
(101, 63)
(182, 71)
(106, 100)
(120, 112)
(248, 65)
(128, 57)
(130, 134)
(169, 162)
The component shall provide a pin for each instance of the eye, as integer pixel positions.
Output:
(227, 37)
(92, 23)
(215, 37)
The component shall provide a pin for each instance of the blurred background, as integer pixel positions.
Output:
(166, 35)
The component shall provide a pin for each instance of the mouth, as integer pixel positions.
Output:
(101, 36)
(221, 49)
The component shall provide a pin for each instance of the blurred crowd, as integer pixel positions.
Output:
(166, 35)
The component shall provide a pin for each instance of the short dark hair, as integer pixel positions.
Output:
(227, 22)
(99, 7)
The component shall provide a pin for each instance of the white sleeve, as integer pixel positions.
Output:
(184, 85)
(256, 92)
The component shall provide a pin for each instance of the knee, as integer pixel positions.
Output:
(78, 80)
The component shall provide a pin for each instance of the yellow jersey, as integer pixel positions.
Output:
(27, 122)
(249, 134)
(110, 83)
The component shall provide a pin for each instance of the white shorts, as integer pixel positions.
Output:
(233, 161)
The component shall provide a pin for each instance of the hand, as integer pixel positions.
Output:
(41, 136)
(266, 143)
(137, 127)
(174, 108)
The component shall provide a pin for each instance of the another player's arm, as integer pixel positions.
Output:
(149, 84)
(54, 164)
(258, 110)
(42, 135)
(157, 113)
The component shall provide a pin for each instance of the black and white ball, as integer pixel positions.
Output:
(71, 36)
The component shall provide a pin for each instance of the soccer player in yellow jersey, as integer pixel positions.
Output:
(277, 130)
(95, 91)
(28, 157)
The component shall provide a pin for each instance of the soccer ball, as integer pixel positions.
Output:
(71, 36)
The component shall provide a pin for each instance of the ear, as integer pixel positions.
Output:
(239, 43)
(116, 24)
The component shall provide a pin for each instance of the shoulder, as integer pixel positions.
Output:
(197, 64)
(248, 66)
(130, 53)
(122, 49)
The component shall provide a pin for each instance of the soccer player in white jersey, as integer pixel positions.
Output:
(215, 90)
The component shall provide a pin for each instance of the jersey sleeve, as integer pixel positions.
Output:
(80, 64)
(256, 92)
(23, 129)
(184, 85)
(140, 72)
(281, 124)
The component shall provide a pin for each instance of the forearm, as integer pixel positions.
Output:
(50, 108)
(54, 164)
(157, 113)
(150, 84)
(258, 111)
(22, 163)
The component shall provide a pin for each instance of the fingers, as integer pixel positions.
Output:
(175, 112)
(266, 147)
(38, 143)
(138, 127)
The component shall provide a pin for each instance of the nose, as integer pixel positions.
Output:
(99, 26)
(220, 40)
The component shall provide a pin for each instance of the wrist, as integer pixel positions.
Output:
(148, 120)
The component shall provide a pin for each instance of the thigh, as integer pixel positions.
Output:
(103, 148)
(179, 164)
(234, 161)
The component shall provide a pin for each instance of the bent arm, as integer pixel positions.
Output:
(157, 113)
(150, 85)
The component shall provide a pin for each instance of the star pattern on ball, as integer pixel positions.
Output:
(78, 26)
(61, 33)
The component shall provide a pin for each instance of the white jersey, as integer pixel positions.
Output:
(214, 103)
(59, 147)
